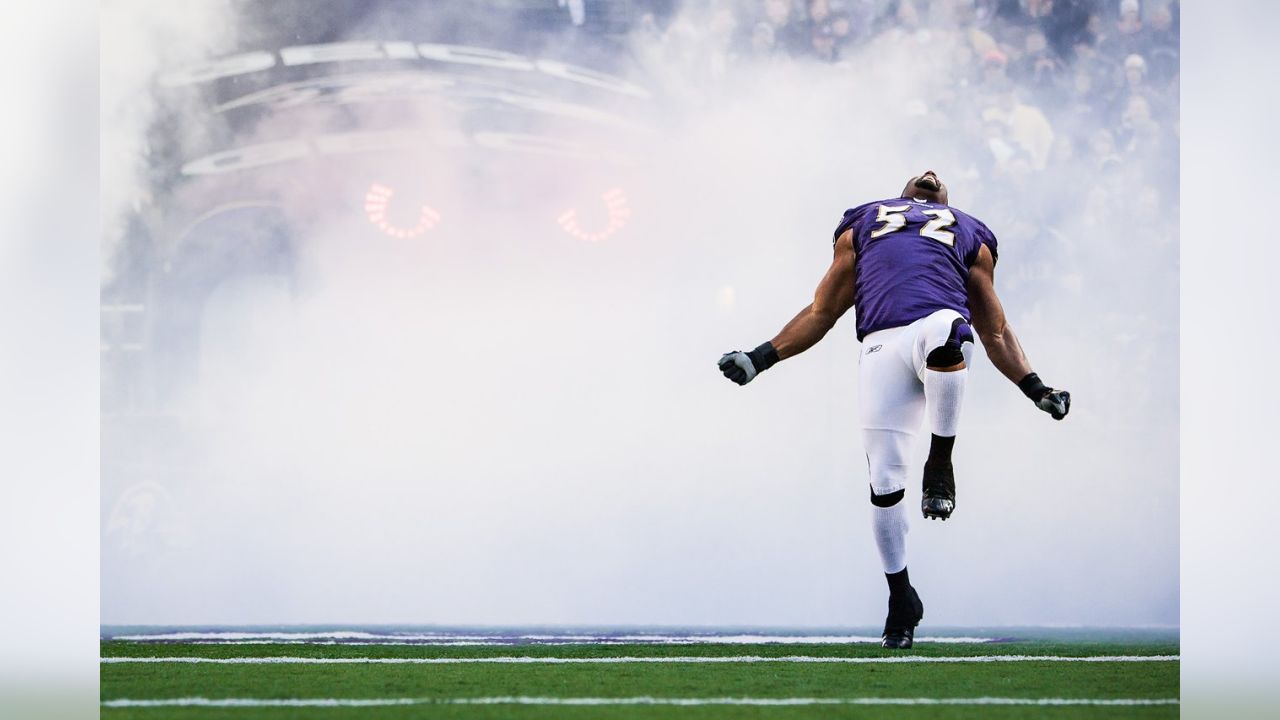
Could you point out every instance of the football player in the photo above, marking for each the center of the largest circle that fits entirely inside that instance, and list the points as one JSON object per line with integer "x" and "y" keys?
{"x": 921, "y": 274}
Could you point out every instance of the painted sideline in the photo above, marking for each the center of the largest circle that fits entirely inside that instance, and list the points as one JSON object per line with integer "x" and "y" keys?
{"x": 608, "y": 660}
{"x": 646, "y": 700}
{"x": 356, "y": 637}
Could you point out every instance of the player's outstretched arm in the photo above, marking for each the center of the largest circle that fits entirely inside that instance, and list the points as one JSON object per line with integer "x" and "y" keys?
{"x": 1000, "y": 342}
{"x": 832, "y": 299}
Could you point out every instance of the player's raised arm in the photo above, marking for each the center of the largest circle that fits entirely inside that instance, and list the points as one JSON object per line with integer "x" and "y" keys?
{"x": 1000, "y": 342}
{"x": 832, "y": 299}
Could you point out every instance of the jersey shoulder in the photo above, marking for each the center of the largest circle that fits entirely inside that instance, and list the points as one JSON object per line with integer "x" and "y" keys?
{"x": 978, "y": 231}
{"x": 854, "y": 217}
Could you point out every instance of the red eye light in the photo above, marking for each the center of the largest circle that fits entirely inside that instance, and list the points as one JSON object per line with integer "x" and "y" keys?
{"x": 375, "y": 208}
{"x": 615, "y": 202}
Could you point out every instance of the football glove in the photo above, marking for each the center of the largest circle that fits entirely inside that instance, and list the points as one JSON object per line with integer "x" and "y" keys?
{"x": 742, "y": 367}
{"x": 1055, "y": 402}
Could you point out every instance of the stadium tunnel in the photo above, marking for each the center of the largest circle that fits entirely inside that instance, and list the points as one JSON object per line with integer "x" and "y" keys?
{"x": 256, "y": 149}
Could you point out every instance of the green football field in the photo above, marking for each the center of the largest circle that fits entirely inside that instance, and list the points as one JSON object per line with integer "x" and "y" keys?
{"x": 1027, "y": 673}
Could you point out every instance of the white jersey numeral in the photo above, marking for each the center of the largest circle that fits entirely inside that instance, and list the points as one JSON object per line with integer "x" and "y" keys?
{"x": 893, "y": 217}
{"x": 937, "y": 228}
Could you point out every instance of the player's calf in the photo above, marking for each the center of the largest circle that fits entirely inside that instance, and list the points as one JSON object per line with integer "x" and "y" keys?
{"x": 890, "y": 525}
{"x": 944, "y": 380}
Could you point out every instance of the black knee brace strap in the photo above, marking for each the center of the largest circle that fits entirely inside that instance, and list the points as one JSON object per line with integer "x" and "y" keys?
{"x": 888, "y": 499}
{"x": 945, "y": 356}
{"x": 951, "y": 353}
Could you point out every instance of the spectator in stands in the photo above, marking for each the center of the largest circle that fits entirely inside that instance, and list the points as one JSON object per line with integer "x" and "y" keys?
{"x": 1142, "y": 139}
{"x": 994, "y": 70}
{"x": 1127, "y": 37}
{"x": 819, "y": 11}
{"x": 1163, "y": 49}
{"x": 1102, "y": 150}
{"x": 787, "y": 34}
{"x": 1029, "y": 129}
{"x": 1096, "y": 33}
{"x": 823, "y": 40}
{"x": 1066, "y": 26}
{"x": 908, "y": 16}
{"x": 1065, "y": 161}
{"x": 998, "y": 143}
{"x": 842, "y": 28}
{"x": 860, "y": 16}
{"x": 1136, "y": 84}
{"x": 1135, "y": 74}
{"x": 763, "y": 43}
{"x": 1076, "y": 111}
{"x": 1038, "y": 69}
{"x": 827, "y": 31}
{"x": 1138, "y": 131}
{"x": 1163, "y": 33}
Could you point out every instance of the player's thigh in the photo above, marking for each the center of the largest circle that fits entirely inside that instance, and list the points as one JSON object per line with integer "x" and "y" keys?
{"x": 891, "y": 401}
{"x": 890, "y": 395}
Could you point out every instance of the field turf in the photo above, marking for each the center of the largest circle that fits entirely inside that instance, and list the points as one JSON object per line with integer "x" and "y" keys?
{"x": 764, "y": 680}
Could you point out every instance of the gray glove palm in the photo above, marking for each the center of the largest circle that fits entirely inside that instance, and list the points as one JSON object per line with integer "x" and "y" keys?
{"x": 743, "y": 367}
{"x": 737, "y": 366}
{"x": 1055, "y": 402}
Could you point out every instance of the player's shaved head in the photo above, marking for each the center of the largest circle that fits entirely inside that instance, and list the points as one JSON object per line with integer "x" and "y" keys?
{"x": 926, "y": 186}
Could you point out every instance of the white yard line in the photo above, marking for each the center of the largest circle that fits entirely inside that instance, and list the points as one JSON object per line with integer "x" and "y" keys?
{"x": 611, "y": 660}
{"x": 361, "y": 637}
{"x": 646, "y": 700}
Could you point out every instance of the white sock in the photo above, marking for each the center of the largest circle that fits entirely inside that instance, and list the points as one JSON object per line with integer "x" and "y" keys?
{"x": 890, "y": 527}
{"x": 944, "y": 393}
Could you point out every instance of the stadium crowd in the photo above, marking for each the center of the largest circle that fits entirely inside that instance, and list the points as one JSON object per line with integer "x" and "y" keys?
{"x": 1042, "y": 84}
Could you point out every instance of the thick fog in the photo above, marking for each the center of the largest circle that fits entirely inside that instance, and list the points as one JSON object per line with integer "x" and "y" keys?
{"x": 513, "y": 415}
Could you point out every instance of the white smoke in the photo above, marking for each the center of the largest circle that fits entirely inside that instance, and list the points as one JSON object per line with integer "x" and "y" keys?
{"x": 139, "y": 39}
{"x": 503, "y": 424}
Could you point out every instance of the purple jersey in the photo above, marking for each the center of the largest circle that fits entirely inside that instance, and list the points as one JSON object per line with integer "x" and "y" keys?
{"x": 913, "y": 259}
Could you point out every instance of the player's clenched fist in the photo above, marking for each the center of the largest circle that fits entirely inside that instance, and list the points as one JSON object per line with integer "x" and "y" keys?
{"x": 737, "y": 366}
{"x": 1055, "y": 402}
{"x": 742, "y": 367}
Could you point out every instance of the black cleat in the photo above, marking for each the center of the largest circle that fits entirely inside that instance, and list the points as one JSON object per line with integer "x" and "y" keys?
{"x": 905, "y": 612}
{"x": 937, "y": 507}
{"x": 938, "y": 497}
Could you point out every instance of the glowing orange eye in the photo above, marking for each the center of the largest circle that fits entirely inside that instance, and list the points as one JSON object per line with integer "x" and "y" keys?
{"x": 375, "y": 208}
{"x": 615, "y": 202}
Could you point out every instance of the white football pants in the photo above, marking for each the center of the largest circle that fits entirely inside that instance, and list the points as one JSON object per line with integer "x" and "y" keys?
{"x": 891, "y": 393}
